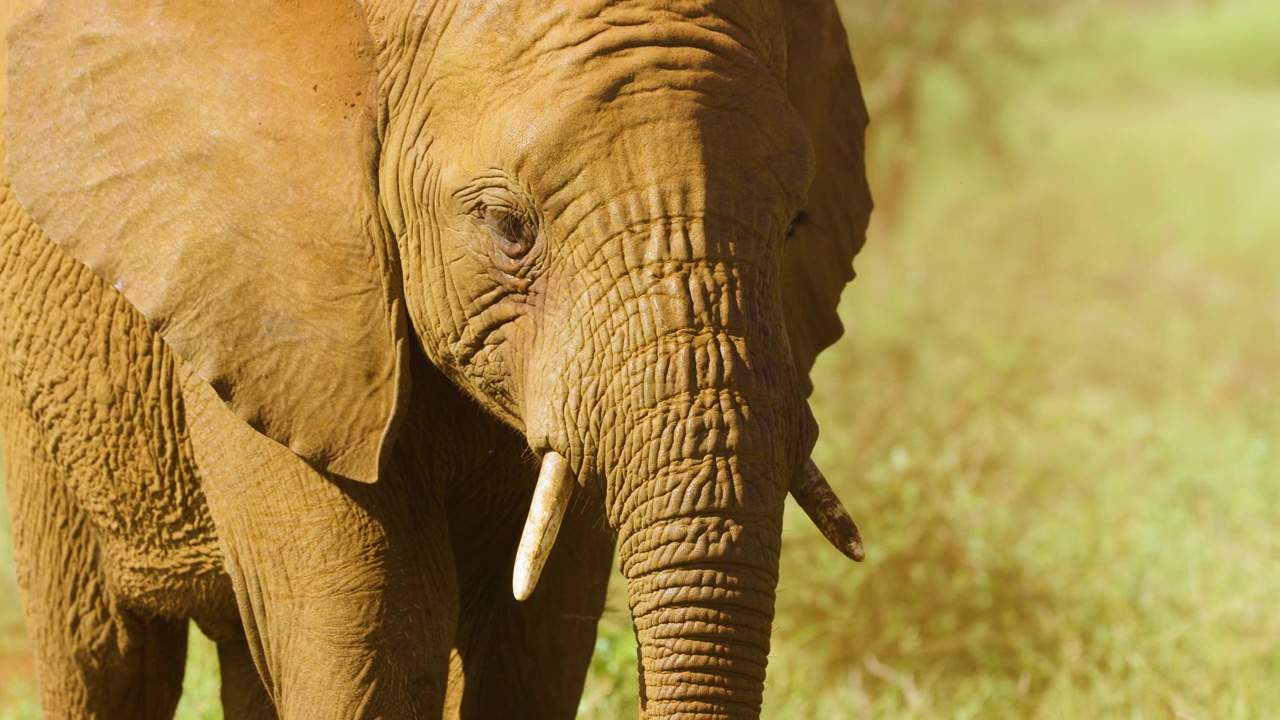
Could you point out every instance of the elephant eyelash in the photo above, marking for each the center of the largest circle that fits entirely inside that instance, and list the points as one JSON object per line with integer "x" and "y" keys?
{"x": 513, "y": 231}
{"x": 508, "y": 217}
{"x": 801, "y": 218}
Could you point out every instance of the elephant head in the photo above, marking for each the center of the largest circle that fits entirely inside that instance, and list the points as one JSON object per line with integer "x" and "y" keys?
{"x": 621, "y": 227}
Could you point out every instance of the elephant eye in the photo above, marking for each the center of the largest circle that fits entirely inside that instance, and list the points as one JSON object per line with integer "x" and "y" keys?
{"x": 801, "y": 218}
{"x": 514, "y": 232}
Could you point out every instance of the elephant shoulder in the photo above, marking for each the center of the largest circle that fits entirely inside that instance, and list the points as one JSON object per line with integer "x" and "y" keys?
{"x": 100, "y": 390}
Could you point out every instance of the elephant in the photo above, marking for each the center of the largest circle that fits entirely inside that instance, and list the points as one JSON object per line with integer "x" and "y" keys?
{"x": 362, "y": 333}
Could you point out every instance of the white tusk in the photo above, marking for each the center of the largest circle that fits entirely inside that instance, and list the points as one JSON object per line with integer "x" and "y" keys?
{"x": 812, "y": 491}
{"x": 550, "y": 499}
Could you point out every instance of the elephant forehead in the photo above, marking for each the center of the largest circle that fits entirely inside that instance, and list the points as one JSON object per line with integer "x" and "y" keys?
{"x": 607, "y": 48}
{"x": 618, "y": 96}
{"x": 640, "y": 124}
{"x": 518, "y": 29}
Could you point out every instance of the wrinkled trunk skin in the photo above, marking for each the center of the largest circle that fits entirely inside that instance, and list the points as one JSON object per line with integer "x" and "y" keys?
{"x": 696, "y": 424}
{"x": 699, "y": 545}
{"x": 701, "y": 585}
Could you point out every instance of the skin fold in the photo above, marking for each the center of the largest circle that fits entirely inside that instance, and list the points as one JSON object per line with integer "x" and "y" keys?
{"x": 295, "y": 299}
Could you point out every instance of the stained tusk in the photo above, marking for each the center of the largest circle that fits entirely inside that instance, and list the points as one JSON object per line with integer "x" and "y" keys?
{"x": 820, "y": 503}
{"x": 550, "y": 499}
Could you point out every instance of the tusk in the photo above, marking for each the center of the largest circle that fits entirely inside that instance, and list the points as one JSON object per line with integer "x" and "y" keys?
{"x": 550, "y": 499}
{"x": 820, "y": 503}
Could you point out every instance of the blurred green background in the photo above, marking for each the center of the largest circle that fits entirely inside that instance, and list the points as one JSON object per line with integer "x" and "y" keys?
{"x": 1056, "y": 411}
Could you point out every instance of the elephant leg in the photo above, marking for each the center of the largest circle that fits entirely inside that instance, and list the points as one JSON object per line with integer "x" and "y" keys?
{"x": 244, "y": 697}
{"x": 524, "y": 659}
{"x": 345, "y": 590}
{"x": 94, "y": 657}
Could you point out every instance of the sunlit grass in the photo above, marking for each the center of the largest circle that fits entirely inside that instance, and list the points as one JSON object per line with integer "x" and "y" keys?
{"x": 17, "y": 690}
{"x": 200, "y": 685}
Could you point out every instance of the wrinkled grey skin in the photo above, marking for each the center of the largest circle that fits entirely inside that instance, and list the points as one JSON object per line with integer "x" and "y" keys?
{"x": 590, "y": 223}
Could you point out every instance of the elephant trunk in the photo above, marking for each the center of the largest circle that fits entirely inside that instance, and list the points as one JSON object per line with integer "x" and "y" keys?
{"x": 698, "y": 503}
{"x": 701, "y": 587}
{"x": 682, "y": 404}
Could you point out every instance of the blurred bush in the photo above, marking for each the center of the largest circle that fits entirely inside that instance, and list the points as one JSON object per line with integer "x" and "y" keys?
{"x": 940, "y": 62}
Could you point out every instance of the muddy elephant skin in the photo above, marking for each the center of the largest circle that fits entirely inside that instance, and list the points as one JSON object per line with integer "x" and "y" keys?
{"x": 304, "y": 305}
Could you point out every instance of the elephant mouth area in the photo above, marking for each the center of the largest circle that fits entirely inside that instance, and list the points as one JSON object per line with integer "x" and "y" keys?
{"x": 680, "y": 397}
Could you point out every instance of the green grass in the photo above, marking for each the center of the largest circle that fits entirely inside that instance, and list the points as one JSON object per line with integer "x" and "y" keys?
{"x": 1056, "y": 413}
{"x": 17, "y": 692}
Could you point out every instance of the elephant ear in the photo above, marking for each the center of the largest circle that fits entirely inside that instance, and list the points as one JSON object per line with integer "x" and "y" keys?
{"x": 215, "y": 162}
{"x": 818, "y": 261}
